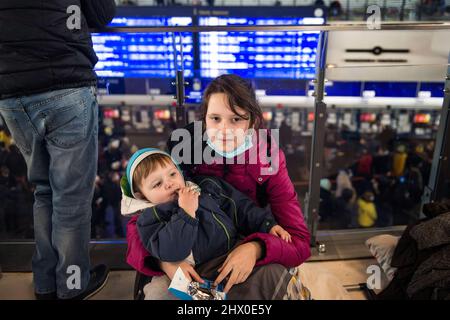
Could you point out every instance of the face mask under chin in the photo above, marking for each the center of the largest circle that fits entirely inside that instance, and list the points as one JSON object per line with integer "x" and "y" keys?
{"x": 244, "y": 146}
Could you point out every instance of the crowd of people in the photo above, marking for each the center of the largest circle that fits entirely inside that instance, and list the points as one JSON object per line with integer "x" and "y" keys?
{"x": 380, "y": 186}
{"x": 371, "y": 181}
{"x": 114, "y": 151}
{"x": 16, "y": 193}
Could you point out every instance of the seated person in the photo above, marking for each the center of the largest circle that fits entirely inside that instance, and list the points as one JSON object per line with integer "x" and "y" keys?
{"x": 195, "y": 221}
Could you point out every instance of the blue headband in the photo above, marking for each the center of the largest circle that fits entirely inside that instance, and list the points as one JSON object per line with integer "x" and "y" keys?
{"x": 140, "y": 155}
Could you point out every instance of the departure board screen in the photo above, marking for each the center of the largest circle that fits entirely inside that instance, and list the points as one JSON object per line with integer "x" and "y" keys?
{"x": 285, "y": 54}
{"x": 143, "y": 55}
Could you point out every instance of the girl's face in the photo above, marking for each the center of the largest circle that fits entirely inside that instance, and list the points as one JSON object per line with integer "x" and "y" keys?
{"x": 224, "y": 128}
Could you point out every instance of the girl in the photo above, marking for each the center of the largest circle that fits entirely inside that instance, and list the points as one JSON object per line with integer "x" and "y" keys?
{"x": 231, "y": 118}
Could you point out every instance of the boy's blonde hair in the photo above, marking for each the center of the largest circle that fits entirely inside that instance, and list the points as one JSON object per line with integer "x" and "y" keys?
{"x": 147, "y": 166}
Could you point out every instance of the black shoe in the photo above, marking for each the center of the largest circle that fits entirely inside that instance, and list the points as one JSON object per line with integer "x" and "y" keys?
{"x": 99, "y": 277}
{"x": 46, "y": 296}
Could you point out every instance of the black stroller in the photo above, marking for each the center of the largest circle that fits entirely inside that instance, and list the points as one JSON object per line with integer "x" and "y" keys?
{"x": 140, "y": 282}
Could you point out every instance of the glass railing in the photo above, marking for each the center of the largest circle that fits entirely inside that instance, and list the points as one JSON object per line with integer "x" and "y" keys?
{"x": 372, "y": 153}
{"x": 379, "y": 144}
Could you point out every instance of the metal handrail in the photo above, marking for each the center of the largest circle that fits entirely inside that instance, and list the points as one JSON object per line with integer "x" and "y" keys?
{"x": 422, "y": 26}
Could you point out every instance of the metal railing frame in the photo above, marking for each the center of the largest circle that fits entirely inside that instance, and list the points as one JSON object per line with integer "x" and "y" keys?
{"x": 312, "y": 199}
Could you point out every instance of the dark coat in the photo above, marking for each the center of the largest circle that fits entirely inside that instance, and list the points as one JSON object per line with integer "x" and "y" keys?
{"x": 422, "y": 259}
{"x": 39, "y": 53}
{"x": 170, "y": 234}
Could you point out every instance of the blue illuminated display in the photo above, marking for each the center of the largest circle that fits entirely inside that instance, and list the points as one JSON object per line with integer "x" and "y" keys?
{"x": 285, "y": 54}
{"x": 340, "y": 88}
{"x": 273, "y": 59}
{"x": 393, "y": 89}
{"x": 142, "y": 55}
{"x": 435, "y": 88}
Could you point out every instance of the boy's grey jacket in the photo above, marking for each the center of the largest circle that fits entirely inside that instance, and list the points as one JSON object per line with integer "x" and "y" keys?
{"x": 224, "y": 213}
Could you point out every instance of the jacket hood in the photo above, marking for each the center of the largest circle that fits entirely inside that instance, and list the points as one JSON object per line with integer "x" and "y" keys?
{"x": 130, "y": 205}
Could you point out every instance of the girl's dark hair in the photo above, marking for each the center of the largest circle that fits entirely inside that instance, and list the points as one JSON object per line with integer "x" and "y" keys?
{"x": 240, "y": 94}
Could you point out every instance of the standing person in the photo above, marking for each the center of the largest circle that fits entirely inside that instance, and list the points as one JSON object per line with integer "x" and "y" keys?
{"x": 4, "y": 188}
{"x": 399, "y": 161}
{"x": 112, "y": 197}
{"x": 367, "y": 212}
{"x": 346, "y": 210}
{"x": 285, "y": 135}
{"x": 48, "y": 101}
{"x": 327, "y": 206}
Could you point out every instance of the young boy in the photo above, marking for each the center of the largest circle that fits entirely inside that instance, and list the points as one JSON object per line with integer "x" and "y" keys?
{"x": 194, "y": 221}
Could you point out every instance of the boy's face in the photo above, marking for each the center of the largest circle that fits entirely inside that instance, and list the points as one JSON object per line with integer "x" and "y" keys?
{"x": 161, "y": 185}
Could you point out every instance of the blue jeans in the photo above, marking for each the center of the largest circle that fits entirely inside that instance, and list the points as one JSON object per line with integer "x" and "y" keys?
{"x": 57, "y": 133}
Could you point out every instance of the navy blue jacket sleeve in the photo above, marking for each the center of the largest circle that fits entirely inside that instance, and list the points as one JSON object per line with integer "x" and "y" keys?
{"x": 247, "y": 216}
{"x": 98, "y": 13}
{"x": 168, "y": 236}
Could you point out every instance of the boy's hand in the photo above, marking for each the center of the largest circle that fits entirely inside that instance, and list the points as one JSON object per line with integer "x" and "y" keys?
{"x": 170, "y": 268}
{"x": 188, "y": 200}
{"x": 281, "y": 233}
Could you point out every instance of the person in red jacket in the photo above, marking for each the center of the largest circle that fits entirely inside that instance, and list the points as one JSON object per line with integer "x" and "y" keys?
{"x": 230, "y": 107}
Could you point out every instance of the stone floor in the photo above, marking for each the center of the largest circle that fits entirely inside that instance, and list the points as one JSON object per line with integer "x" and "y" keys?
{"x": 18, "y": 286}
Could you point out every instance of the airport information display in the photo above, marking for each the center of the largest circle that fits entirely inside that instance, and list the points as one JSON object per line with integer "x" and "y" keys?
{"x": 287, "y": 55}
{"x": 281, "y": 55}
{"x": 142, "y": 55}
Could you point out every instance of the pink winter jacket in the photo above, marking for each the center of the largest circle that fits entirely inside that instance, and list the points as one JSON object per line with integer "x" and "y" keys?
{"x": 285, "y": 207}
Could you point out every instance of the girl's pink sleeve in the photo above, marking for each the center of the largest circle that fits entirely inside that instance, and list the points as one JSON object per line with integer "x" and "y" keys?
{"x": 287, "y": 212}
{"x": 137, "y": 256}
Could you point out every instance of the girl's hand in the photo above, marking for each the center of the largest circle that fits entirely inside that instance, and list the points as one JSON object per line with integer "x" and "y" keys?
{"x": 278, "y": 231}
{"x": 188, "y": 200}
{"x": 170, "y": 268}
{"x": 190, "y": 272}
{"x": 239, "y": 264}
